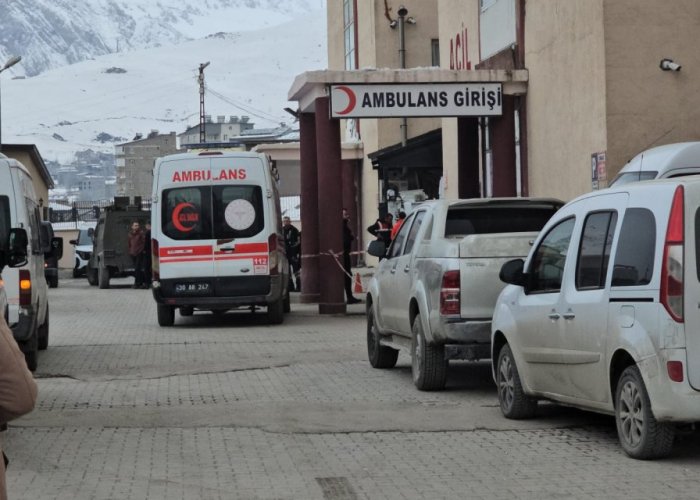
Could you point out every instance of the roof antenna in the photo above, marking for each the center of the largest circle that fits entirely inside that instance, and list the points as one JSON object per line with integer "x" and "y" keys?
{"x": 639, "y": 174}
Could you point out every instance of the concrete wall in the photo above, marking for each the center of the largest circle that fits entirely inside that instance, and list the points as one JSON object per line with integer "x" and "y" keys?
{"x": 646, "y": 106}
{"x": 68, "y": 259}
{"x": 565, "y": 56}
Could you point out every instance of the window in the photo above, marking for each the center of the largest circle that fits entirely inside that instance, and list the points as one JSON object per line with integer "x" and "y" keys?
{"x": 462, "y": 221}
{"x": 594, "y": 250}
{"x": 238, "y": 211}
{"x": 349, "y": 33}
{"x": 395, "y": 248}
{"x": 485, "y": 4}
{"x": 634, "y": 260}
{"x": 186, "y": 213}
{"x": 33, "y": 230}
{"x": 413, "y": 233}
{"x": 435, "y": 52}
{"x": 548, "y": 262}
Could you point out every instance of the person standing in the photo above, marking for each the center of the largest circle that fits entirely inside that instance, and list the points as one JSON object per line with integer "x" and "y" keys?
{"x": 397, "y": 224}
{"x": 381, "y": 229}
{"x": 18, "y": 389}
{"x": 348, "y": 238}
{"x": 147, "y": 258}
{"x": 136, "y": 243}
{"x": 292, "y": 244}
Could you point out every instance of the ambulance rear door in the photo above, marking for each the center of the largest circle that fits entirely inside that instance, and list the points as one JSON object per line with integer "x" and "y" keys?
{"x": 186, "y": 244}
{"x": 241, "y": 225}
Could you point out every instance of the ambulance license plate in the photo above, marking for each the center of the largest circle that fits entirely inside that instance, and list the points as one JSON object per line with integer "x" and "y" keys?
{"x": 191, "y": 288}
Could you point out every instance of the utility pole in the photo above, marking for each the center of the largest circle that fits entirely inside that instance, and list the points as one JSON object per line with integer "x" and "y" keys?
{"x": 202, "y": 131}
{"x": 10, "y": 62}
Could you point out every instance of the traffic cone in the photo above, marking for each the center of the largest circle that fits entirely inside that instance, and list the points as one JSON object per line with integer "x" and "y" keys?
{"x": 358, "y": 284}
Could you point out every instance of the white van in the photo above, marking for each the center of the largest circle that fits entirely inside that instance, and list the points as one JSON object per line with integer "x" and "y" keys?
{"x": 26, "y": 287}
{"x": 671, "y": 160}
{"x": 217, "y": 240}
{"x": 603, "y": 314}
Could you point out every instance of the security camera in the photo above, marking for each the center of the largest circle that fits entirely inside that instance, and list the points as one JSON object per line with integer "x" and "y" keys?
{"x": 402, "y": 11}
{"x": 669, "y": 65}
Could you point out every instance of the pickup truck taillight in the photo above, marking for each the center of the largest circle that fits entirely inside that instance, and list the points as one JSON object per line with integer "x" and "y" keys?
{"x": 25, "y": 287}
{"x": 672, "y": 269}
{"x": 449, "y": 294}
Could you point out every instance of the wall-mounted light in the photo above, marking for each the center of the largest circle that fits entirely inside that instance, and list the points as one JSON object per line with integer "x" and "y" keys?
{"x": 668, "y": 65}
{"x": 393, "y": 23}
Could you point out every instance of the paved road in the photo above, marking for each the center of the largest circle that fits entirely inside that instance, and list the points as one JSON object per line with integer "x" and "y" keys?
{"x": 229, "y": 407}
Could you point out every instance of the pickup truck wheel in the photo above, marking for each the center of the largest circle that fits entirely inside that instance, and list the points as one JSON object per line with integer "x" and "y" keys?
{"x": 514, "y": 402}
{"x": 428, "y": 363}
{"x": 91, "y": 275}
{"x": 43, "y": 336}
{"x": 166, "y": 315}
{"x": 275, "y": 312}
{"x": 380, "y": 356}
{"x": 103, "y": 276}
{"x": 640, "y": 434}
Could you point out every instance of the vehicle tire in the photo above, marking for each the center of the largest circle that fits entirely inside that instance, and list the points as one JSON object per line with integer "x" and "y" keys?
{"x": 43, "y": 333}
{"x": 275, "y": 312}
{"x": 428, "y": 363}
{"x": 186, "y": 311}
{"x": 287, "y": 304}
{"x": 640, "y": 434}
{"x": 380, "y": 356}
{"x": 103, "y": 276}
{"x": 166, "y": 315}
{"x": 30, "y": 348}
{"x": 515, "y": 404}
{"x": 91, "y": 275}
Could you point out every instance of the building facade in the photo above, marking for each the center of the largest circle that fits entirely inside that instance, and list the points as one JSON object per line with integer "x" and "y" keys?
{"x": 134, "y": 162}
{"x": 219, "y": 131}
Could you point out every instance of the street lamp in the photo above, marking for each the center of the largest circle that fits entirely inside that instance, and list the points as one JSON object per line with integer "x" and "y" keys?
{"x": 10, "y": 62}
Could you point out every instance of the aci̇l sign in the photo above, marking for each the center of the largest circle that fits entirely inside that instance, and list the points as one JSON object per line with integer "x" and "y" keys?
{"x": 441, "y": 99}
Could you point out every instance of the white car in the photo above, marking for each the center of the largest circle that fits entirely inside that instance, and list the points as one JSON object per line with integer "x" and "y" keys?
{"x": 603, "y": 313}
{"x": 661, "y": 162}
{"x": 83, "y": 249}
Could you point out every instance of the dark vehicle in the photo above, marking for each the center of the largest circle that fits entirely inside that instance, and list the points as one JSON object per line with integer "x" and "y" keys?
{"x": 51, "y": 257}
{"x": 110, "y": 256}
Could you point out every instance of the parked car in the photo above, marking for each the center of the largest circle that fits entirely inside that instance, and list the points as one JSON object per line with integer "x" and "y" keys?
{"x": 602, "y": 315}
{"x": 434, "y": 293}
{"x": 82, "y": 248}
{"x": 671, "y": 160}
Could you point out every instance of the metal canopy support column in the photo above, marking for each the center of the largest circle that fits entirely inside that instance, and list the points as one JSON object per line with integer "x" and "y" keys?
{"x": 350, "y": 200}
{"x": 309, "y": 209}
{"x": 330, "y": 203}
{"x": 503, "y": 147}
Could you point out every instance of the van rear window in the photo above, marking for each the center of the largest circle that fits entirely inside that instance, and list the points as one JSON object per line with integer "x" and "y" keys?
{"x": 486, "y": 220}
{"x": 219, "y": 212}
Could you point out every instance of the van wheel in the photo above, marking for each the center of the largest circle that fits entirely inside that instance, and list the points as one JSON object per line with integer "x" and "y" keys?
{"x": 103, "y": 276}
{"x": 640, "y": 434}
{"x": 186, "y": 311}
{"x": 91, "y": 275}
{"x": 31, "y": 352}
{"x": 380, "y": 356}
{"x": 166, "y": 315}
{"x": 43, "y": 340}
{"x": 287, "y": 304}
{"x": 275, "y": 312}
{"x": 514, "y": 402}
{"x": 428, "y": 363}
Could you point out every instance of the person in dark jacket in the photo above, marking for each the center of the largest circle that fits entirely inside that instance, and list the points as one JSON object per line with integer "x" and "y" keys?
{"x": 136, "y": 243}
{"x": 147, "y": 258}
{"x": 292, "y": 244}
{"x": 348, "y": 238}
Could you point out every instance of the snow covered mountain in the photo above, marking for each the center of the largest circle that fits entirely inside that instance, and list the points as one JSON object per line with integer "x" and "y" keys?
{"x": 74, "y": 91}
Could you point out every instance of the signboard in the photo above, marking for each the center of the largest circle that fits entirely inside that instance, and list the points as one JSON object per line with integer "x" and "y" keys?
{"x": 428, "y": 99}
{"x": 599, "y": 173}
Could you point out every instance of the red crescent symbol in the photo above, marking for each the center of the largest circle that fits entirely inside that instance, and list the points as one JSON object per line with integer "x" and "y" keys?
{"x": 176, "y": 217}
{"x": 352, "y": 99}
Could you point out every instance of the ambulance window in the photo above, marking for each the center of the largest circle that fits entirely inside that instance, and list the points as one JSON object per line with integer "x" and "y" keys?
{"x": 238, "y": 211}
{"x": 186, "y": 213}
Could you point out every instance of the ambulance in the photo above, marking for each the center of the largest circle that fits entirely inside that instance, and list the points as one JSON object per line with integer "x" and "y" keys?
{"x": 217, "y": 241}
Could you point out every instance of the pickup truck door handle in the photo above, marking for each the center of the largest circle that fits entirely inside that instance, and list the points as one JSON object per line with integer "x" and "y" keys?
{"x": 393, "y": 269}
{"x": 407, "y": 268}
{"x": 553, "y": 315}
{"x": 568, "y": 314}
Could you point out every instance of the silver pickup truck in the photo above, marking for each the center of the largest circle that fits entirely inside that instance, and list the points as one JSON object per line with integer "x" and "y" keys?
{"x": 436, "y": 286}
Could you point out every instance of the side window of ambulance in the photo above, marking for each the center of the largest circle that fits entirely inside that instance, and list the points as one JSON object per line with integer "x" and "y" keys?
{"x": 547, "y": 268}
{"x": 634, "y": 260}
{"x": 594, "y": 250}
{"x": 238, "y": 211}
{"x": 33, "y": 213}
{"x": 185, "y": 214}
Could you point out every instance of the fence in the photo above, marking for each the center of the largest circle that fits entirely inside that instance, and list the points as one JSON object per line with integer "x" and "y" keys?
{"x": 72, "y": 215}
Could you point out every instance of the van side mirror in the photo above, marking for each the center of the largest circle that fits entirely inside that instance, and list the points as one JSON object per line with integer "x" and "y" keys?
{"x": 377, "y": 248}
{"x": 512, "y": 273}
{"x": 17, "y": 247}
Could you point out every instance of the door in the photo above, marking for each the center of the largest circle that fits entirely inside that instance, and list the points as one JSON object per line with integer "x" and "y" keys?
{"x": 406, "y": 274}
{"x": 537, "y": 307}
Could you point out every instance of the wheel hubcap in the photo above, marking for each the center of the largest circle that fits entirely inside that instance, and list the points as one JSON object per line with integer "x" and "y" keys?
{"x": 505, "y": 382}
{"x": 631, "y": 414}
